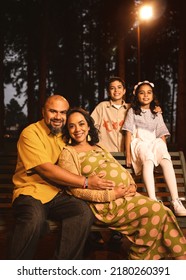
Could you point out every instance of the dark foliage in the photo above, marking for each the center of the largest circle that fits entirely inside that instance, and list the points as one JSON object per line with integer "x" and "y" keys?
{"x": 73, "y": 47}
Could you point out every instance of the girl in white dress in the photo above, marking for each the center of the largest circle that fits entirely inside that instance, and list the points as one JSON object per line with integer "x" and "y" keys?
{"x": 145, "y": 143}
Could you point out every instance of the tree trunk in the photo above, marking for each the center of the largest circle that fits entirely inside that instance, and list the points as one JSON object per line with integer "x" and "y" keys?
{"x": 30, "y": 83}
{"x": 2, "y": 107}
{"x": 43, "y": 56}
{"x": 121, "y": 57}
{"x": 181, "y": 99}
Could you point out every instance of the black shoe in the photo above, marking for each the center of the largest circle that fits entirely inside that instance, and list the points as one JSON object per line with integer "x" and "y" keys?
{"x": 96, "y": 236}
{"x": 116, "y": 236}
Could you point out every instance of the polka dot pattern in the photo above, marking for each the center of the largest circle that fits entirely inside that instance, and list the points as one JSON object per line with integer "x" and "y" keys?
{"x": 96, "y": 161}
{"x": 149, "y": 225}
{"x": 155, "y": 220}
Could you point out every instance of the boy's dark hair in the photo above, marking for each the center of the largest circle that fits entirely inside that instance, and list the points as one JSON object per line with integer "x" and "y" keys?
{"x": 113, "y": 79}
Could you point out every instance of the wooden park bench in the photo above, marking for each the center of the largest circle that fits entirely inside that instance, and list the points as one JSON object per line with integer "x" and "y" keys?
{"x": 7, "y": 167}
{"x": 8, "y": 163}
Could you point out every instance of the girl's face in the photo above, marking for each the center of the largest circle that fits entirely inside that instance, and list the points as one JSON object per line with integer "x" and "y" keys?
{"x": 145, "y": 96}
{"x": 78, "y": 127}
{"x": 116, "y": 92}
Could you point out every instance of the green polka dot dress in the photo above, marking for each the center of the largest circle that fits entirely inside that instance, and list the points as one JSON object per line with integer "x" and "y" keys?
{"x": 96, "y": 161}
{"x": 149, "y": 225}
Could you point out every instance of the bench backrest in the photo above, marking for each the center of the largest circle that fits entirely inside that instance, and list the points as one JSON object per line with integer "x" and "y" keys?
{"x": 8, "y": 163}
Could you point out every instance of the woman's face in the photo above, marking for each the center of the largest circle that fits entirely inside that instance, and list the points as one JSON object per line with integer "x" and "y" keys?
{"x": 145, "y": 95}
{"x": 78, "y": 127}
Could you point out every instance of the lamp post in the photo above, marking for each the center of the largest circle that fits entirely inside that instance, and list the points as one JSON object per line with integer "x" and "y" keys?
{"x": 144, "y": 13}
{"x": 139, "y": 51}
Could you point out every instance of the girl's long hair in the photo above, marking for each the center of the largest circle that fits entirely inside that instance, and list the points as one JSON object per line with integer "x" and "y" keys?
{"x": 136, "y": 105}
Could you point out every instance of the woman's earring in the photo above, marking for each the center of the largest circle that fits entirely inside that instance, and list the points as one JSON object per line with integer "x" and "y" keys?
{"x": 89, "y": 138}
{"x": 70, "y": 141}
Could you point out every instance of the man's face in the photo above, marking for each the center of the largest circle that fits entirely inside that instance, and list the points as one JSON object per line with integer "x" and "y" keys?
{"x": 54, "y": 113}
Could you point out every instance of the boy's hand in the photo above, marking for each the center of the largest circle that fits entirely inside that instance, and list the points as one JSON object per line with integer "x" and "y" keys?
{"x": 158, "y": 109}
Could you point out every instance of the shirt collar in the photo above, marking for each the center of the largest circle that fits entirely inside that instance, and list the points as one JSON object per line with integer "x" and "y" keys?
{"x": 111, "y": 103}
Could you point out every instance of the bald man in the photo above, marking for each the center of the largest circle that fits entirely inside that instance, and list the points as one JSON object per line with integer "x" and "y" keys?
{"x": 39, "y": 192}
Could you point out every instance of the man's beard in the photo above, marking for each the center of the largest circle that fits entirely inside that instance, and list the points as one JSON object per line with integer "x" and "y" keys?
{"x": 55, "y": 130}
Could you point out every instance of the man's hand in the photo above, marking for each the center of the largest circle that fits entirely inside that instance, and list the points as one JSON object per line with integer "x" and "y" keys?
{"x": 97, "y": 182}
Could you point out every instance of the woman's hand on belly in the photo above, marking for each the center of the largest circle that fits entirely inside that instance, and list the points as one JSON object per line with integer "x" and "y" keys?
{"x": 123, "y": 191}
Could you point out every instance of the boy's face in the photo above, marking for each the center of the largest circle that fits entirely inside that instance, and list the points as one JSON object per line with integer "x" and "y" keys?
{"x": 116, "y": 91}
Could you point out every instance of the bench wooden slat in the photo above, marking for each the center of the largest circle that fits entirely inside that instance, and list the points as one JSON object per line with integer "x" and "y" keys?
{"x": 5, "y": 205}
{"x": 8, "y": 163}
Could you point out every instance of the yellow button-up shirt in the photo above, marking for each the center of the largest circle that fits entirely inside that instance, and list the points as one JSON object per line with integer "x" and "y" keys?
{"x": 36, "y": 146}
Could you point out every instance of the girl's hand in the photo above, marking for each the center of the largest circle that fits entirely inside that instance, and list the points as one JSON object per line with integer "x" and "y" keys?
{"x": 128, "y": 161}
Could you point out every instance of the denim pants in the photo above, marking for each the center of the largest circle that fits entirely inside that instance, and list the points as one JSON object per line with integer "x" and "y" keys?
{"x": 30, "y": 219}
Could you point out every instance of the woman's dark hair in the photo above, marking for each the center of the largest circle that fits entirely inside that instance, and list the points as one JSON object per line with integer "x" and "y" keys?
{"x": 135, "y": 104}
{"x": 93, "y": 132}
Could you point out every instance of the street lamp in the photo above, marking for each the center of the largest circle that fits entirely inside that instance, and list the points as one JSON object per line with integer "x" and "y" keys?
{"x": 144, "y": 13}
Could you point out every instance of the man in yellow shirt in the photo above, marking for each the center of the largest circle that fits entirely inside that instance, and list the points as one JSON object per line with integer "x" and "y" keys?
{"x": 39, "y": 192}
